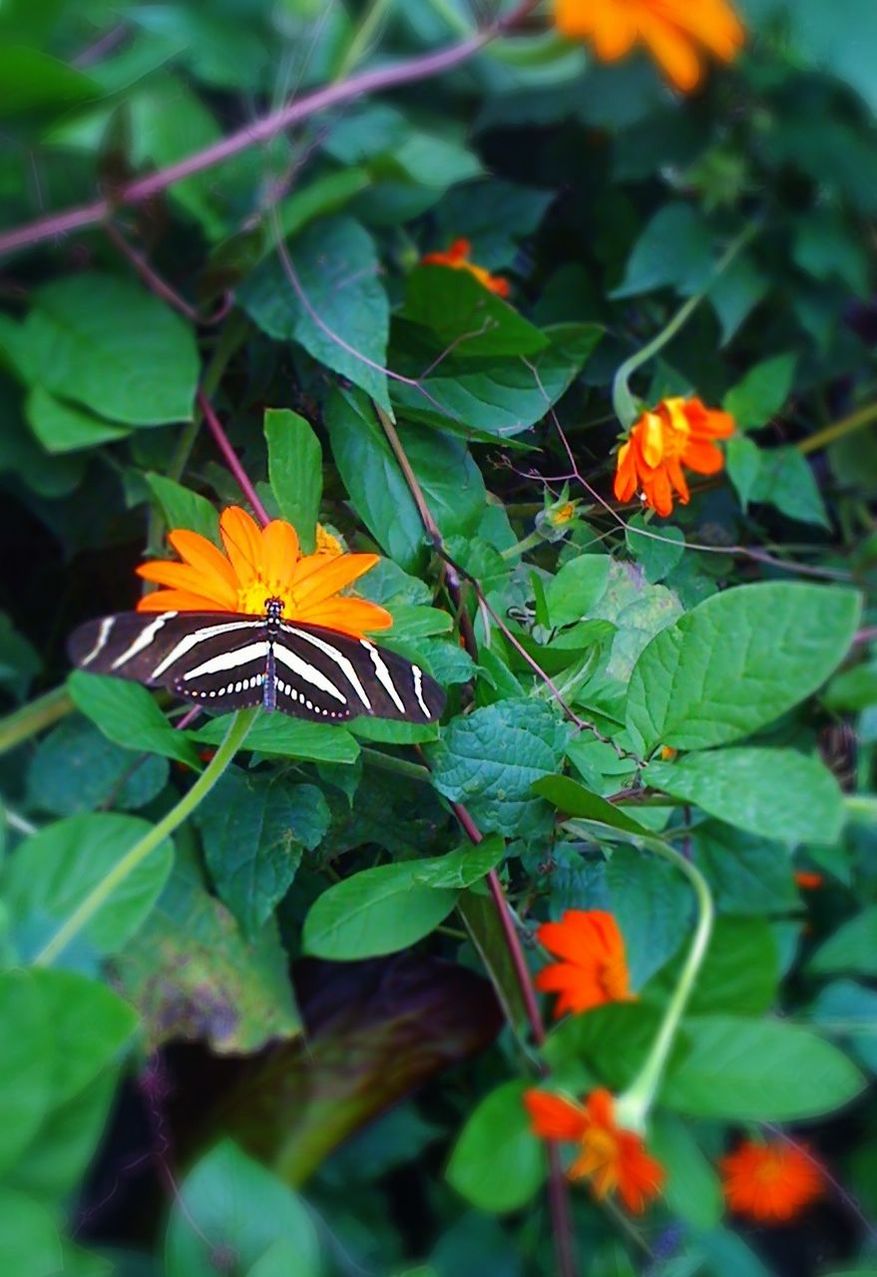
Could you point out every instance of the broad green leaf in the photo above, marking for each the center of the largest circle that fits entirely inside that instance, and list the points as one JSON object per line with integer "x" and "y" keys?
{"x": 494, "y": 398}
{"x": 192, "y": 943}
{"x": 277, "y": 734}
{"x": 76, "y": 768}
{"x": 853, "y": 947}
{"x": 497, "y": 1163}
{"x": 777, "y": 793}
{"x": 853, "y": 689}
{"x": 574, "y": 592}
{"x": 30, "y": 1241}
{"x": 463, "y": 867}
{"x": 54, "y": 870}
{"x": 761, "y": 393}
{"x": 847, "y": 1011}
{"x": 692, "y": 1189}
{"x": 716, "y": 675}
{"x": 26, "y": 1065}
{"x": 32, "y": 81}
{"x": 183, "y": 508}
{"x": 740, "y": 972}
{"x": 785, "y": 480}
{"x": 450, "y": 479}
{"x": 255, "y": 828}
{"x": 605, "y": 1045}
{"x": 652, "y": 904}
{"x": 743, "y": 457}
{"x": 339, "y": 311}
{"x": 325, "y": 195}
{"x": 62, "y": 427}
{"x": 54, "y": 1164}
{"x": 90, "y": 1024}
{"x": 375, "y": 911}
{"x": 757, "y": 1071}
{"x": 573, "y": 799}
{"x": 657, "y": 548}
{"x": 490, "y": 759}
{"x": 736, "y": 293}
{"x": 748, "y": 875}
{"x": 481, "y": 920}
{"x": 465, "y": 316}
{"x": 295, "y": 468}
{"x": 127, "y": 714}
{"x": 240, "y": 1207}
{"x": 675, "y": 248}
{"x": 113, "y": 347}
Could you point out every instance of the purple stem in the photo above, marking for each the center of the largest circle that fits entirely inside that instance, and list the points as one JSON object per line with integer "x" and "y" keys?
{"x": 230, "y": 457}
{"x": 144, "y": 188}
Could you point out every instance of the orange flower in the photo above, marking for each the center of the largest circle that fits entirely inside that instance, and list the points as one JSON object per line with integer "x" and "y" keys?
{"x": 593, "y": 970}
{"x": 807, "y": 880}
{"x": 262, "y": 563}
{"x": 457, "y": 257}
{"x": 770, "y": 1183}
{"x": 679, "y": 432}
{"x": 614, "y": 1159}
{"x": 672, "y": 31}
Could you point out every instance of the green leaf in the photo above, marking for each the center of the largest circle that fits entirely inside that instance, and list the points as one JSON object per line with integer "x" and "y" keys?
{"x": 568, "y": 796}
{"x": 55, "y": 1163}
{"x": 192, "y": 943}
{"x": 497, "y": 1164}
{"x": 692, "y": 1189}
{"x": 466, "y": 316}
{"x": 254, "y": 829}
{"x": 492, "y": 398}
{"x": 748, "y": 875}
{"x": 743, "y": 457}
{"x": 54, "y": 870}
{"x": 375, "y": 911}
{"x": 295, "y": 468}
{"x": 30, "y": 1243}
{"x": 716, "y": 675}
{"x": 652, "y": 904}
{"x": 757, "y": 1071}
{"x": 127, "y": 714}
{"x": 761, "y": 393}
{"x": 113, "y": 347}
{"x": 450, "y": 479}
{"x": 758, "y": 790}
{"x": 75, "y": 768}
{"x": 26, "y": 1065}
{"x": 339, "y": 312}
{"x": 847, "y": 1010}
{"x": 656, "y": 549}
{"x": 241, "y": 1209}
{"x": 490, "y": 759}
{"x": 853, "y": 947}
{"x": 32, "y": 81}
{"x": 62, "y": 427}
{"x": 326, "y": 194}
{"x": 183, "y": 508}
{"x": 463, "y": 867}
{"x": 675, "y": 248}
{"x": 574, "y": 592}
{"x": 277, "y": 734}
{"x": 740, "y": 972}
{"x": 90, "y": 1024}
{"x": 786, "y": 481}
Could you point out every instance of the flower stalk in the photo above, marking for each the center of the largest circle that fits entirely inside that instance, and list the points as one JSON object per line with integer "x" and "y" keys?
{"x": 101, "y": 893}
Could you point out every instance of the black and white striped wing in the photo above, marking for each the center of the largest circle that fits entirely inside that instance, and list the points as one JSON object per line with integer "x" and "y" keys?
{"x": 332, "y": 670}
{"x": 214, "y": 659}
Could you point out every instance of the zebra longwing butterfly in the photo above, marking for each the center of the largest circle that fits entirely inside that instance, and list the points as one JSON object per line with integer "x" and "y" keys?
{"x": 227, "y": 661}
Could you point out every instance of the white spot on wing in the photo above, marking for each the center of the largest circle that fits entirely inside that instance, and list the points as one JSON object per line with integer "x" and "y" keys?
{"x": 229, "y": 660}
{"x": 343, "y": 662}
{"x": 418, "y": 689}
{"x": 310, "y": 674}
{"x": 192, "y": 640}
{"x": 100, "y": 642}
{"x": 385, "y": 678}
{"x": 143, "y": 639}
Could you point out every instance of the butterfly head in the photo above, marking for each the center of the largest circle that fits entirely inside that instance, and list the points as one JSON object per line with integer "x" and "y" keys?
{"x": 273, "y": 609}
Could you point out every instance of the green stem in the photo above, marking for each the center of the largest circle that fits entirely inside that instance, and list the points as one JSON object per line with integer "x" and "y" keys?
{"x": 98, "y": 896}
{"x": 521, "y": 547}
{"x": 846, "y": 426}
{"x": 35, "y": 717}
{"x": 622, "y": 400}
{"x": 633, "y": 1106}
{"x": 399, "y": 766}
{"x": 371, "y": 20}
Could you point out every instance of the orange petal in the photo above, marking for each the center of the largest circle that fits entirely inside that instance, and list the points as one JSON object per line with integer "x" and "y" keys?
{"x": 625, "y": 474}
{"x": 672, "y": 50}
{"x": 202, "y": 554}
{"x": 553, "y": 1117}
{"x": 311, "y": 583}
{"x": 659, "y": 494}
{"x": 573, "y": 937}
{"x": 703, "y": 458}
{"x": 280, "y": 551}
{"x": 242, "y": 539}
{"x": 178, "y": 601}
{"x": 182, "y": 576}
{"x": 349, "y": 616}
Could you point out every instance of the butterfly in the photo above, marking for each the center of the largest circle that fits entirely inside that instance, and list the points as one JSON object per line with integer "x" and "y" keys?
{"x": 229, "y": 661}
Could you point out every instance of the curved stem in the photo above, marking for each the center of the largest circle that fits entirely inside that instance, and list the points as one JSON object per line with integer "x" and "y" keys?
{"x": 98, "y": 896}
{"x": 633, "y": 1106}
{"x": 838, "y": 429}
{"x": 35, "y": 717}
{"x": 622, "y": 400}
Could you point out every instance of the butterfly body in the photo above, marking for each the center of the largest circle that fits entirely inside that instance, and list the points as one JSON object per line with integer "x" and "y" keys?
{"x": 229, "y": 661}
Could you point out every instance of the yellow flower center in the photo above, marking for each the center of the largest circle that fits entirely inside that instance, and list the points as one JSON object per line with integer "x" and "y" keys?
{"x": 254, "y": 595}
{"x": 769, "y": 1170}
{"x": 598, "y": 1160}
